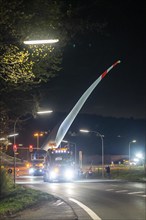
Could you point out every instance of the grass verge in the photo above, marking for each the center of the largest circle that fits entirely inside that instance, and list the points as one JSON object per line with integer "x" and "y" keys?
{"x": 129, "y": 174}
{"x": 21, "y": 198}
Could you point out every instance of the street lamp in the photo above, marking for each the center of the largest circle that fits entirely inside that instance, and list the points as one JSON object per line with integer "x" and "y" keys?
{"x": 14, "y": 144}
{"x": 15, "y": 129}
{"x": 15, "y": 123}
{"x": 38, "y": 135}
{"x": 50, "y": 41}
{"x": 102, "y": 145}
{"x": 133, "y": 141}
{"x": 44, "y": 112}
{"x": 15, "y": 134}
{"x": 17, "y": 119}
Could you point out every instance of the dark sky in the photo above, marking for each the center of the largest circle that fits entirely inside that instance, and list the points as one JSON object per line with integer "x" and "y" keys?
{"x": 122, "y": 92}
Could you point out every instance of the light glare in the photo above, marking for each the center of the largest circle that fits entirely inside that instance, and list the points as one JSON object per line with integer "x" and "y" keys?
{"x": 45, "y": 112}
{"x": 85, "y": 131}
{"x": 2, "y": 139}
{"x": 12, "y": 135}
{"x": 51, "y": 41}
{"x": 139, "y": 155}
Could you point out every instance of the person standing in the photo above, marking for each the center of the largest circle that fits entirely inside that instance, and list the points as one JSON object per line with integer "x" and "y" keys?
{"x": 108, "y": 171}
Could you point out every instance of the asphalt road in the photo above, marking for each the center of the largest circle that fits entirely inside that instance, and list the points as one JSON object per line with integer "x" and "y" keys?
{"x": 98, "y": 199}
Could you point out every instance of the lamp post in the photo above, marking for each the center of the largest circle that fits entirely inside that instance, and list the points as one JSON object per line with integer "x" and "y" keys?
{"x": 15, "y": 129}
{"x": 15, "y": 123}
{"x": 17, "y": 119}
{"x": 14, "y": 135}
{"x": 14, "y": 146}
{"x": 102, "y": 145}
{"x": 133, "y": 141}
{"x": 38, "y": 135}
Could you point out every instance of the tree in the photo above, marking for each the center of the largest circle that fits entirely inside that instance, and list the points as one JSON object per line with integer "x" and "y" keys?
{"x": 29, "y": 64}
{"x": 23, "y": 66}
{"x": 20, "y": 20}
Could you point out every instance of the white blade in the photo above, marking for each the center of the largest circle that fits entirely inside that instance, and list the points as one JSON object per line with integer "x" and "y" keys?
{"x": 71, "y": 116}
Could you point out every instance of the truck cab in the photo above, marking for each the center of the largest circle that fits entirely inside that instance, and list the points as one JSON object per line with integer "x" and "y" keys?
{"x": 59, "y": 165}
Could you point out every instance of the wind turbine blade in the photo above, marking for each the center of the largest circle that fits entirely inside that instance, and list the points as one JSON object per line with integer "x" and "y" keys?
{"x": 64, "y": 127}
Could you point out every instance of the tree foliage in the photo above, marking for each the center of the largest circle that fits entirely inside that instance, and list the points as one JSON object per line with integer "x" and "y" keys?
{"x": 27, "y": 64}
{"x": 25, "y": 20}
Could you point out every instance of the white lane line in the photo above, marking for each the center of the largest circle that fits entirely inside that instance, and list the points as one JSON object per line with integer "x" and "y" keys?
{"x": 119, "y": 191}
{"x": 87, "y": 209}
{"x": 142, "y": 195}
{"x": 131, "y": 193}
{"x": 109, "y": 189}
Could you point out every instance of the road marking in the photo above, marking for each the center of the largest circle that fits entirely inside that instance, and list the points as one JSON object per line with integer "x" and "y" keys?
{"x": 135, "y": 192}
{"x": 124, "y": 190}
{"x": 109, "y": 189}
{"x": 87, "y": 209}
{"x": 143, "y": 195}
{"x": 58, "y": 202}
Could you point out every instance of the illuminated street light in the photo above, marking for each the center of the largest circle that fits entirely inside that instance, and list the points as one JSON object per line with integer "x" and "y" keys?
{"x": 13, "y": 135}
{"x": 101, "y": 136}
{"x": 133, "y": 141}
{"x": 44, "y": 112}
{"x": 84, "y": 131}
{"x": 2, "y": 139}
{"x": 38, "y": 135}
{"x": 50, "y": 41}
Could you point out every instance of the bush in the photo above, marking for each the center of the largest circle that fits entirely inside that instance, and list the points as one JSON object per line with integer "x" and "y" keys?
{"x": 5, "y": 181}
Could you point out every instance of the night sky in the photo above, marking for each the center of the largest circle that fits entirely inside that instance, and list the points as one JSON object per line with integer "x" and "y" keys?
{"x": 117, "y": 106}
{"x": 122, "y": 92}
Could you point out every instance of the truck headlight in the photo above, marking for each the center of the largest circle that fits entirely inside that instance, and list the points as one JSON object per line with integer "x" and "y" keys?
{"x": 53, "y": 175}
{"x": 69, "y": 174}
{"x": 31, "y": 170}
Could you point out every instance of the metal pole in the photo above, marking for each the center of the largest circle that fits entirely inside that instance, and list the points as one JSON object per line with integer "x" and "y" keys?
{"x": 75, "y": 154}
{"x": 102, "y": 156}
{"x": 129, "y": 153}
{"x": 80, "y": 159}
{"x": 15, "y": 154}
{"x": 38, "y": 141}
{"x": 0, "y": 169}
{"x": 15, "y": 129}
{"x": 14, "y": 169}
{"x": 75, "y": 149}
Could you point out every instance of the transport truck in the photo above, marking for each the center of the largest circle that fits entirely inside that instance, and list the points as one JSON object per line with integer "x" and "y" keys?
{"x": 59, "y": 165}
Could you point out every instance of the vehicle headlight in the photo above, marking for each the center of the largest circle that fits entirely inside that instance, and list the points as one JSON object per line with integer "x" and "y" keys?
{"x": 31, "y": 170}
{"x": 53, "y": 175}
{"x": 69, "y": 174}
